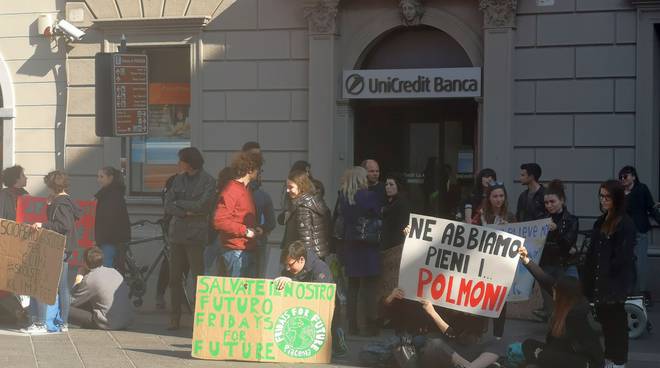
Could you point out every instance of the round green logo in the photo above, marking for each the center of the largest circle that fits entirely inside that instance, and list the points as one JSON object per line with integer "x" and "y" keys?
{"x": 300, "y": 332}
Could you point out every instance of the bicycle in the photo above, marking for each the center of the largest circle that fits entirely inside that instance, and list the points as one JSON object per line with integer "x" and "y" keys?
{"x": 137, "y": 276}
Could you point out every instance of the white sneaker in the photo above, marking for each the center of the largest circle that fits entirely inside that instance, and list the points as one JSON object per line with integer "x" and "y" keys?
{"x": 34, "y": 329}
{"x": 64, "y": 328}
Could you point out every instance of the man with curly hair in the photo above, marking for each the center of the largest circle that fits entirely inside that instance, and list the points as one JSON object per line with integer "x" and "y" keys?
{"x": 236, "y": 219}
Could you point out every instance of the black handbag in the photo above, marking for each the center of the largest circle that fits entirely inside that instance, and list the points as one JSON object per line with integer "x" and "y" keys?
{"x": 368, "y": 229}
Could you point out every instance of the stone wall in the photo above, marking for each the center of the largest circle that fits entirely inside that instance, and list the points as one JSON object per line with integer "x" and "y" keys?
{"x": 574, "y": 70}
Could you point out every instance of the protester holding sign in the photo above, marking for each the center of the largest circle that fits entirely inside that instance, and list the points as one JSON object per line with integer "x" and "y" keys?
{"x": 556, "y": 259}
{"x": 112, "y": 227}
{"x": 360, "y": 209}
{"x": 571, "y": 342}
{"x": 610, "y": 269}
{"x": 100, "y": 295}
{"x": 495, "y": 211}
{"x": 301, "y": 264}
{"x": 15, "y": 181}
{"x": 63, "y": 213}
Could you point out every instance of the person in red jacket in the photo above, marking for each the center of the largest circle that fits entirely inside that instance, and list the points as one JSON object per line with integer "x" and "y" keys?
{"x": 236, "y": 219}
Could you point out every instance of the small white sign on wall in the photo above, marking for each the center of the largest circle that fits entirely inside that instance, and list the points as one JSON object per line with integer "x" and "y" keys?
{"x": 545, "y": 2}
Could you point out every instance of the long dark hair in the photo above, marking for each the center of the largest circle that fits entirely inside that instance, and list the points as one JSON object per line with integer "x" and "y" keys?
{"x": 629, "y": 170}
{"x": 618, "y": 196}
{"x": 568, "y": 292}
{"x": 478, "y": 187}
{"x": 117, "y": 177}
{"x": 225, "y": 176}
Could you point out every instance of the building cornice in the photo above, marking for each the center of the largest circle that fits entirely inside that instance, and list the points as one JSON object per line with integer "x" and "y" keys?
{"x": 645, "y": 3}
{"x": 152, "y": 24}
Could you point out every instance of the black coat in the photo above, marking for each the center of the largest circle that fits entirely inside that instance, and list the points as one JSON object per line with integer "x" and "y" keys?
{"x": 112, "y": 225}
{"x": 556, "y": 251}
{"x": 527, "y": 210}
{"x": 308, "y": 220}
{"x": 609, "y": 269}
{"x": 395, "y": 219}
{"x": 579, "y": 337}
{"x": 639, "y": 206}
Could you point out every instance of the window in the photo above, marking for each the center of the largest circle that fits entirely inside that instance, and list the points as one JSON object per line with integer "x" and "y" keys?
{"x": 153, "y": 158}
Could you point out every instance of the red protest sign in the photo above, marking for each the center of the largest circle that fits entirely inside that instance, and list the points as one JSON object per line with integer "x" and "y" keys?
{"x": 33, "y": 209}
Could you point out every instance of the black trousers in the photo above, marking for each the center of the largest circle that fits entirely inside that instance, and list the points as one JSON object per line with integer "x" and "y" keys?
{"x": 614, "y": 319}
{"x": 499, "y": 322}
{"x": 547, "y": 356}
{"x": 362, "y": 306}
{"x": 181, "y": 256}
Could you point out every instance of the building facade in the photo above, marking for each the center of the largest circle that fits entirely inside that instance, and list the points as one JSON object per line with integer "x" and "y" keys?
{"x": 570, "y": 84}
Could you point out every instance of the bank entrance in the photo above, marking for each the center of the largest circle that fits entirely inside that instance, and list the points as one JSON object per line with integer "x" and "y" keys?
{"x": 430, "y": 141}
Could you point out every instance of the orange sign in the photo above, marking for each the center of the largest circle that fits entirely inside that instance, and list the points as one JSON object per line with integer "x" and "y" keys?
{"x": 169, "y": 94}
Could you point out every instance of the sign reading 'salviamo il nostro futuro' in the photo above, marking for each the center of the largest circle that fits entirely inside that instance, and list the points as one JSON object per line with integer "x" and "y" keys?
{"x": 412, "y": 83}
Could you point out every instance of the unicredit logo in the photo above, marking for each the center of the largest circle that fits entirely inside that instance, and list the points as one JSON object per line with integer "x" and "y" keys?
{"x": 354, "y": 84}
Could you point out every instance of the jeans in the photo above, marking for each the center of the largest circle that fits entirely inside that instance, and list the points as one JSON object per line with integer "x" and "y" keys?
{"x": 211, "y": 254}
{"x": 239, "y": 263}
{"x": 642, "y": 262}
{"x": 362, "y": 303}
{"x": 109, "y": 252}
{"x": 39, "y": 310}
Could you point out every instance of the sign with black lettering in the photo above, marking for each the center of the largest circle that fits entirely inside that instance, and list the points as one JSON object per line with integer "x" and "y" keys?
{"x": 411, "y": 83}
{"x": 30, "y": 260}
{"x": 459, "y": 266}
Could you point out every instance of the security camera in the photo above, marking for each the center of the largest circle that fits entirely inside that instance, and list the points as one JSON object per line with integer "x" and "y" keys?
{"x": 71, "y": 32}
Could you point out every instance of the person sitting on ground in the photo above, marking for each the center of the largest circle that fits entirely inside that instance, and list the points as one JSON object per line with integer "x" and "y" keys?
{"x": 571, "y": 342}
{"x": 99, "y": 298}
{"x": 301, "y": 264}
{"x": 438, "y": 332}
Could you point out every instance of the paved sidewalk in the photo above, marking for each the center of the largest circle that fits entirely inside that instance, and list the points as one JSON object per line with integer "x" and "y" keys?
{"x": 148, "y": 344}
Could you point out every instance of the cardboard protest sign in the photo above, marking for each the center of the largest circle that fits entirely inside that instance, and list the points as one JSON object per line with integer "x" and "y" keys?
{"x": 250, "y": 320}
{"x": 33, "y": 209}
{"x": 535, "y": 233}
{"x": 459, "y": 266}
{"x": 30, "y": 260}
{"x": 390, "y": 261}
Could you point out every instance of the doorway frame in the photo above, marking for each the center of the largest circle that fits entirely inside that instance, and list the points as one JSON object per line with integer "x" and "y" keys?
{"x": 360, "y": 44}
{"x": 7, "y": 115}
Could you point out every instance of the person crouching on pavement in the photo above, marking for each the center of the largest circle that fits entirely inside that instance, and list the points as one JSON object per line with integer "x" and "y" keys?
{"x": 99, "y": 298}
{"x": 439, "y": 334}
{"x": 301, "y": 264}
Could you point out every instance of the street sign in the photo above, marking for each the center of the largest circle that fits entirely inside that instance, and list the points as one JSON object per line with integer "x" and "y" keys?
{"x": 130, "y": 94}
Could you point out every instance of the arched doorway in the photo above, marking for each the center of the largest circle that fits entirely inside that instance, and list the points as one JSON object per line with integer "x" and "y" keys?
{"x": 430, "y": 140}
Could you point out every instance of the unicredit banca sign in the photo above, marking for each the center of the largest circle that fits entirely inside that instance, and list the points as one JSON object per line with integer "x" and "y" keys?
{"x": 412, "y": 83}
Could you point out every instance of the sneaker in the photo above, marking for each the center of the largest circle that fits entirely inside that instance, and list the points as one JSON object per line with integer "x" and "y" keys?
{"x": 64, "y": 328}
{"x": 35, "y": 329}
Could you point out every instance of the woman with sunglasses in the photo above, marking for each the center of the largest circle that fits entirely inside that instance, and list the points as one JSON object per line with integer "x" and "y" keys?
{"x": 557, "y": 260}
{"x": 639, "y": 206}
{"x": 609, "y": 270}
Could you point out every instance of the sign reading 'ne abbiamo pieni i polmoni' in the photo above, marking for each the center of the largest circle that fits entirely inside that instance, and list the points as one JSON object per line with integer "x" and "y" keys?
{"x": 459, "y": 266}
{"x": 412, "y": 83}
{"x": 251, "y": 320}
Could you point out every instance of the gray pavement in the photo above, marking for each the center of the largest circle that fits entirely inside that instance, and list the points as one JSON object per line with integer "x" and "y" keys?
{"x": 148, "y": 344}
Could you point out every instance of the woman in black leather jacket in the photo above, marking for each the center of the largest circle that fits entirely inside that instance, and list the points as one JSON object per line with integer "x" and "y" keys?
{"x": 557, "y": 260}
{"x": 610, "y": 269}
{"x": 308, "y": 218}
